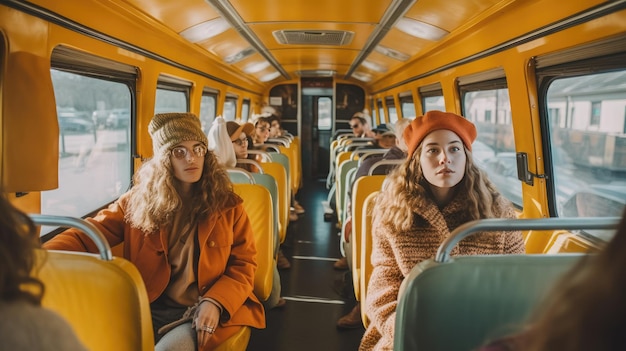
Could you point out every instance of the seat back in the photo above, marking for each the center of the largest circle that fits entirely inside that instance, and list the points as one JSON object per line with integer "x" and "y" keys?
{"x": 362, "y": 188}
{"x": 267, "y": 181}
{"x": 258, "y": 205}
{"x": 461, "y": 304}
{"x": 342, "y": 172}
{"x": 283, "y": 160}
{"x": 279, "y": 173}
{"x": 289, "y": 152}
{"x": 365, "y": 270}
{"x": 105, "y": 302}
{"x": 297, "y": 151}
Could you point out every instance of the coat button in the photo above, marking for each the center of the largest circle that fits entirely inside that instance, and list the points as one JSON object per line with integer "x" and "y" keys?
{"x": 211, "y": 243}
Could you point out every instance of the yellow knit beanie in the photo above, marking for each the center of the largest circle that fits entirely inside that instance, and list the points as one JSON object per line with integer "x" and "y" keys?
{"x": 169, "y": 129}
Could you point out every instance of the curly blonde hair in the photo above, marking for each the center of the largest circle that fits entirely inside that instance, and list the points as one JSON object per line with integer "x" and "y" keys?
{"x": 153, "y": 200}
{"x": 407, "y": 182}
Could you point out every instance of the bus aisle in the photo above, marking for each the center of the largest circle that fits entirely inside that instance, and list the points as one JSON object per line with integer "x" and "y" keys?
{"x": 308, "y": 321}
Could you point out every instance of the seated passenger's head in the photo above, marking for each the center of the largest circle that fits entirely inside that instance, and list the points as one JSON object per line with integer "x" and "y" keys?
{"x": 398, "y": 129}
{"x": 384, "y": 137}
{"x": 274, "y": 126}
{"x": 261, "y": 130}
{"x": 437, "y": 141}
{"x": 359, "y": 124}
{"x": 179, "y": 136}
{"x": 239, "y": 134}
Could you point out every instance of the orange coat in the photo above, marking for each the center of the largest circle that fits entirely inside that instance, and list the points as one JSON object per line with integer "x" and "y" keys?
{"x": 226, "y": 266}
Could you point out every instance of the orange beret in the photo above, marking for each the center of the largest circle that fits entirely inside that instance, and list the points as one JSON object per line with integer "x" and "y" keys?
{"x": 421, "y": 126}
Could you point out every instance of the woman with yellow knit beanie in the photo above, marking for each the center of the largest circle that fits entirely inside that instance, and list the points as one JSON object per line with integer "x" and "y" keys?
{"x": 188, "y": 235}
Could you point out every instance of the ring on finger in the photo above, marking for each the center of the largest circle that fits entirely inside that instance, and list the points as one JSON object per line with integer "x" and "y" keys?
{"x": 208, "y": 329}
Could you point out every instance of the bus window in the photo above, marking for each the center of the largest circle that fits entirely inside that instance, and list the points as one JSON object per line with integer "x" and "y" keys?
{"x": 391, "y": 109}
{"x": 230, "y": 108}
{"x": 407, "y": 105}
{"x": 324, "y": 113}
{"x": 488, "y": 107}
{"x": 207, "y": 110}
{"x": 381, "y": 113}
{"x": 171, "y": 98}
{"x": 433, "y": 103}
{"x": 245, "y": 110}
{"x": 432, "y": 97}
{"x": 95, "y": 122}
{"x": 587, "y": 123}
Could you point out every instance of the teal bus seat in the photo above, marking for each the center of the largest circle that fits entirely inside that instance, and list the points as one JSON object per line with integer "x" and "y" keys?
{"x": 461, "y": 303}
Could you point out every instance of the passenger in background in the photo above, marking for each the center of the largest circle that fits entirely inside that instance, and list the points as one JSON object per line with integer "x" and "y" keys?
{"x": 586, "y": 309}
{"x": 233, "y": 136}
{"x": 24, "y": 324}
{"x": 188, "y": 235}
{"x": 397, "y": 151}
{"x": 229, "y": 142}
{"x": 275, "y": 128}
{"x": 275, "y": 132}
{"x": 361, "y": 125}
{"x": 434, "y": 191}
{"x": 384, "y": 138}
{"x": 226, "y": 140}
{"x": 261, "y": 132}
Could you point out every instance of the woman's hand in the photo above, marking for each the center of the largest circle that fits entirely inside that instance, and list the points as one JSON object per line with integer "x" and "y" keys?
{"x": 207, "y": 320}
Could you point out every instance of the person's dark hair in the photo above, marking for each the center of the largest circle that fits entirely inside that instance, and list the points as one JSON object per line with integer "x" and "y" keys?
{"x": 361, "y": 119}
{"x": 18, "y": 241}
{"x": 587, "y": 309}
{"x": 262, "y": 119}
{"x": 272, "y": 118}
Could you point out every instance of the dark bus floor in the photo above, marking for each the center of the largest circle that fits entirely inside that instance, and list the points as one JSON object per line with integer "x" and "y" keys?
{"x": 308, "y": 320}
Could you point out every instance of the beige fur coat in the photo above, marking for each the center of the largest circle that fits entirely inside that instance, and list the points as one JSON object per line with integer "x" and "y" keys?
{"x": 395, "y": 253}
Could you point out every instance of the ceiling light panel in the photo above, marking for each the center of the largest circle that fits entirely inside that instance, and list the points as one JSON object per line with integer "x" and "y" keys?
{"x": 255, "y": 67}
{"x": 205, "y": 30}
{"x": 239, "y": 56}
{"x": 389, "y": 52}
{"x": 374, "y": 66}
{"x": 269, "y": 77}
{"x": 420, "y": 29}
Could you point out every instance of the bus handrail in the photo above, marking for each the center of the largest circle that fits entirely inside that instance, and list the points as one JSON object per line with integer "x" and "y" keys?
{"x": 265, "y": 156}
{"x": 243, "y": 172}
{"x": 251, "y": 162}
{"x": 89, "y": 229}
{"x": 494, "y": 224}
{"x": 383, "y": 162}
{"x": 278, "y": 141}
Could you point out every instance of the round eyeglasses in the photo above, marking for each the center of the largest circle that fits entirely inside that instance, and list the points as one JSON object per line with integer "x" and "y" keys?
{"x": 241, "y": 142}
{"x": 181, "y": 152}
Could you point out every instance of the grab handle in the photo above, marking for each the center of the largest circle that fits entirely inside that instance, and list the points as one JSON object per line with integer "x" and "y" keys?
{"x": 495, "y": 224}
{"x": 89, "y": 229}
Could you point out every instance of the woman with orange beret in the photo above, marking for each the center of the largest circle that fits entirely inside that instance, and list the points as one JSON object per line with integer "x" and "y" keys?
{"x": 436, "y": 189}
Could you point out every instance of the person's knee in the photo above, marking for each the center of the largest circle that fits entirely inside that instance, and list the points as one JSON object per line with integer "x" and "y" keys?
{"x": 181, "y": 338}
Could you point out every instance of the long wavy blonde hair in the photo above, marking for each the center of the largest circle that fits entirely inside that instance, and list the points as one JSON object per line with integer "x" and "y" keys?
{"x": 407, "y": 183}
{"x": 154, "y": 199}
